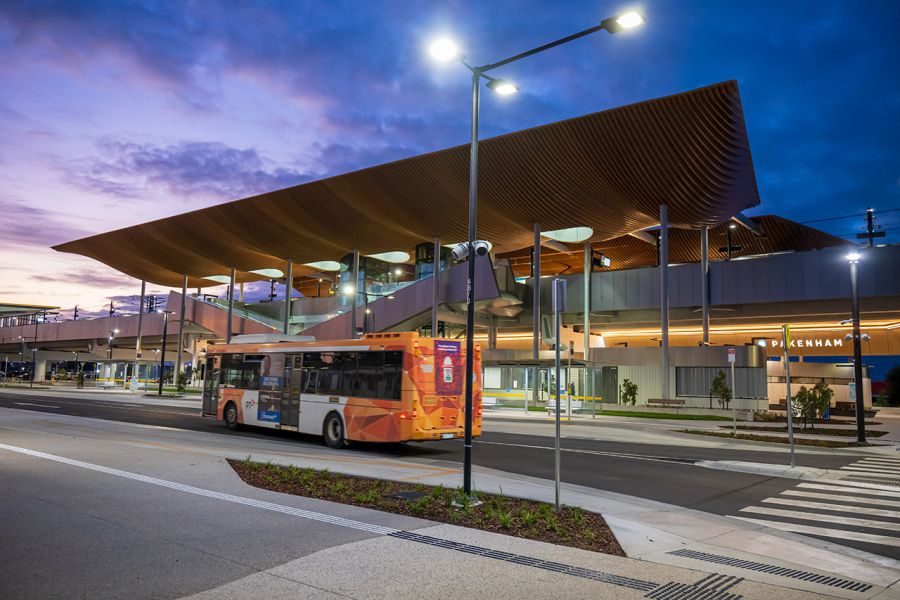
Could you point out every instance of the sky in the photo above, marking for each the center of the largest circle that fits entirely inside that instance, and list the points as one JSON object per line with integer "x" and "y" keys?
{"x": 113, "y": 113}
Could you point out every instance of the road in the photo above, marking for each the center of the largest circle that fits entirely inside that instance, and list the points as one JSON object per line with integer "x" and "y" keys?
{"x": 659, "y": 472}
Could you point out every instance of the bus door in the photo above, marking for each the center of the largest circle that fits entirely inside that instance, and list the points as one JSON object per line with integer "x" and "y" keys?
{"x": 210, "y": 387}
{"x": 290, "y": 397}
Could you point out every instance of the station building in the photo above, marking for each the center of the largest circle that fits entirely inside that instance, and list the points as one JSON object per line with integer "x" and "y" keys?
{"x": 640, "y": 209}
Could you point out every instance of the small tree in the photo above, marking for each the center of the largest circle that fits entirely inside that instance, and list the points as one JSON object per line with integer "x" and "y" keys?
{"x": 720, "y": 390}
{"x": 822, "y": 395}
{"x": 182, "y": 382}
{"x": 628, "y": 392}
{"x": 805, "y": 404}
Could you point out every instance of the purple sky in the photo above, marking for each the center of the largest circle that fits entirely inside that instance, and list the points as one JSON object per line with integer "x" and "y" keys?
{"x": 115, "y": 113}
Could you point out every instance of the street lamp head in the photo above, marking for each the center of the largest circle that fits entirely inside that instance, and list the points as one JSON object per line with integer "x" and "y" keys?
{"x": 628, "y": 20}
{"x": 445, "y": 50}
{"x": 348, "y": 289}
{"x": 503, "y": 87}
{"x": 853, "y": 257}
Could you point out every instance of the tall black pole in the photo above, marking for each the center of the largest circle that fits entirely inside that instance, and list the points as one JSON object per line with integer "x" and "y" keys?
{"x": 162, "y": 354}
{"x": 470, "y": 283}
{"x": 857, "y": 356}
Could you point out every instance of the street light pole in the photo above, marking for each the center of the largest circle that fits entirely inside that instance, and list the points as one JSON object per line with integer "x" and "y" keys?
{"x": 447, "y": 51}
{"x": 853, "y": 258}
{"x": 34, "y": 352}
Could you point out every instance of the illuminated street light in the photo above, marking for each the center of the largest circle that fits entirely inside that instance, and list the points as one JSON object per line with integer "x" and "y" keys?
{"x": 445, "y": 50}
{"x": 853, "y": 259}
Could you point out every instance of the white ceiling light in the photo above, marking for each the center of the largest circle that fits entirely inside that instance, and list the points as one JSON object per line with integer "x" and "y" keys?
{"x": 325, "y": 265}
{"x": 571, "y": 235}
{"x": 269, "y": 273}
{"x": 391, "y": 257}
{"x": 219, "y": 278}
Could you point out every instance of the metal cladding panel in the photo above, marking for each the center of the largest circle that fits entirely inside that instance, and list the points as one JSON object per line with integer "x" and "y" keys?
{"x": 609, "y": 170}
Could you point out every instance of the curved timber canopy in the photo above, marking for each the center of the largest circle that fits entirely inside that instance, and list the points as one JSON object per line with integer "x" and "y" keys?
{"x": 608, "y": 170}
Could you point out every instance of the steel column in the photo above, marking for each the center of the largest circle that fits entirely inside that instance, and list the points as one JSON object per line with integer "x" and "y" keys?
{"x": 435, "y": 286}
{"x": 228, "y": 333}
{"x": 704, "y": 281}
{"x": 857, "y": 356}
{"x": 536, "y": 282}
{"x": 178, "y": 360}
{"x": 137, "y": 345}
{"x": 354, "y": 294}
{"x": 587, "y": 300}
{"x": 288, "y": 294}
{"x": 664, "y": 295}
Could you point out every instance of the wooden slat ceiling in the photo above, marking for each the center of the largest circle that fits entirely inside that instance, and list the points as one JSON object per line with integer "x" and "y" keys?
{"x": 608, "y": 170}
{"x": 627, "y": 252}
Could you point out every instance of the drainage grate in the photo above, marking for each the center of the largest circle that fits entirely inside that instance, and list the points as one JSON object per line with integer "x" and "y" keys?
{"x": 711, "y": 587}
{"x": 636, "y": 584}
{"x": 846, "y": 584}
{"x": 874, "y": 479}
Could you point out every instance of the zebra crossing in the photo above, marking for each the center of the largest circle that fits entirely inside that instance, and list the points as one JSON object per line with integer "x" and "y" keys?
{"x": 863, "y": 506}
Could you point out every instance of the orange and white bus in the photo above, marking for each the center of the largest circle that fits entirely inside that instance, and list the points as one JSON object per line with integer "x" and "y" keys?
{"x": 385, "y": 387}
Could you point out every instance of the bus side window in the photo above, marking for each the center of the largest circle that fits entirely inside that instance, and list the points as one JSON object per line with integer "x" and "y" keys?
{"x": 391, "y": 375}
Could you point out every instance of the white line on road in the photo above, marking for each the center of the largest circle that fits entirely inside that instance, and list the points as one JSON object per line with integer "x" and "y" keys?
{"x": 867, "y": 469}
{"x": 596, "y": 452}
{"x": 840, "y": 534}
{"x": 30, "y": 404}
{"x": 803, "y": 516}
{"x": 837, "y": 488}
{"x": 290, "y": 510}
{"x": 883, "y": 461}
{"x": 861, "y": 510}
{"x": 858, "y": 499}
{"x": 864, "y": 486}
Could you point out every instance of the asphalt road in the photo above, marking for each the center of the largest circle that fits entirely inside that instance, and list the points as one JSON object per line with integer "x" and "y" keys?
{"x": 658, "y": 472}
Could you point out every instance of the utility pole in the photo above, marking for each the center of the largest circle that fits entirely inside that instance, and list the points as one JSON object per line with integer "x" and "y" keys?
{"x": 75, "y": 314}
{"x": 112, "y": 308}
{"x": 871, "y": 232}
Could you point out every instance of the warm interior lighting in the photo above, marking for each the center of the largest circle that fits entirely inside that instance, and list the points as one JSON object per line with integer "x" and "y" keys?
{"x": 348, "y": 289}
{"x": 398, "y": 272}
{"x": 503, "y": 87}
{"x": 444, "y": 50}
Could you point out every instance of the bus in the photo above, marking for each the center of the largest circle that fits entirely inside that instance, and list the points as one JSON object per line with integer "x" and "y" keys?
{"x": 384, "y": 387}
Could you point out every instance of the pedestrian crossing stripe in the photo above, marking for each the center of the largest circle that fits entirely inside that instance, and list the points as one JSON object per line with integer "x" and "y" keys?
{"x": 859, "y": 510}
{"x": 859, "y": 499}
{"x": 814, "y": 508}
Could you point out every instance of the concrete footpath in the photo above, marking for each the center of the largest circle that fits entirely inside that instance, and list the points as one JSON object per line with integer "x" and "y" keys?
{"x": 77, "y": 484}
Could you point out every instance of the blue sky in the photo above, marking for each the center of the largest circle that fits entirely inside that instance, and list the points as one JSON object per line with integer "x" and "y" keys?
{"x": 115, "y": 113}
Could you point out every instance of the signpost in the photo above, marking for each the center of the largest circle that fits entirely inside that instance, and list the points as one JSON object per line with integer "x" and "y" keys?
{"x": 731, "y": 357}
{"x": 559, "y": 303}
{"x": 786, "y": 333}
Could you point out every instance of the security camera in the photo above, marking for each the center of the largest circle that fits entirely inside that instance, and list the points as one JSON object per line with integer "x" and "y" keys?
{"x": 865, "y": 337}
{"x": 460, "y": 252}
{"x": 481, "y": 248}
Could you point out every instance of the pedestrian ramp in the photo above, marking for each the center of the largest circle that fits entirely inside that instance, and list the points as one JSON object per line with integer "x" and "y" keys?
{"x": 862, "y": 507}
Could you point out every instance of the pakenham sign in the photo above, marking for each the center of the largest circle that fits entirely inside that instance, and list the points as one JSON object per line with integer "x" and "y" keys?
{"x": 812, "y": 343}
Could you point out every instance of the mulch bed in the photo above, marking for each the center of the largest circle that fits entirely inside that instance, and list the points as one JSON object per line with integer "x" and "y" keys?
{"x": 752, "y": 437}
{"x": 571, "y": 526}
{"x": 820, "y": 431}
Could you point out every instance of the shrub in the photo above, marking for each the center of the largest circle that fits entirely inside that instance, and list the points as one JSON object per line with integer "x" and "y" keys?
{"x": 628, "y": 392}
{"x": 720, "y": 390}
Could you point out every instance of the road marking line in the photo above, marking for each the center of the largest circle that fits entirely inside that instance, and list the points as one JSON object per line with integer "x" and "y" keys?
{"x": 290, "y": 510}
{"x": 892, "y": 514}
{"x": 840, "y": 534}
{"x": 858, "y": 499}
{"x": 836, "y": 488}
{"x": 863, "y": 486}
{"x": 30, "y": 404}
{"x": 864, "y": 469}
{"x": 883, "y": 461}
{"x": 595, "y": 452}
{"x": 795, "y": 514}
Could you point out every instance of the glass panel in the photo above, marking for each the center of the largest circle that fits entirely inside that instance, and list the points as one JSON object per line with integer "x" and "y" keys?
{"x": 368, "y": 373}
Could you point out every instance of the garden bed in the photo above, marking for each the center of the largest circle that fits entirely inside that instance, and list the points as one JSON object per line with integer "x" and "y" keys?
{"x": 571, "y": 526}
{"x": 753, "y": 437}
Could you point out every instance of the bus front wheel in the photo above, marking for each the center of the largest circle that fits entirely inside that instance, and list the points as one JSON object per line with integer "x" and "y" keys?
{"x": 231, "y": 416}
{"x": 333, "y": 431}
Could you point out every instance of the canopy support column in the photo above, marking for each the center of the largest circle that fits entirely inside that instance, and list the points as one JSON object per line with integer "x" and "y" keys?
{"x": 137, "y": 344}
{"x": 178, "y": 360}
{"x": 587, "y": 300}
{"x": 230, "y": 308}
{"x": 664, "y": 295}
{"x": 354, "y": 294}
{"x": 704, "y": 281}
{"x": 435, "y": 286}
{"x": 288, "y": 295}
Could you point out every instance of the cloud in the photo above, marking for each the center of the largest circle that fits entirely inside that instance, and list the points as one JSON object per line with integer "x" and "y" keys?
{"x": 24, "y": 225}
{"x": 185, "y": 170}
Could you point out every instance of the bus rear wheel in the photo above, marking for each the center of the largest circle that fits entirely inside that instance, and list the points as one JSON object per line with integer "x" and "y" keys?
{"x": 333, "y": 431}
{"x": 231, "y": 416}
